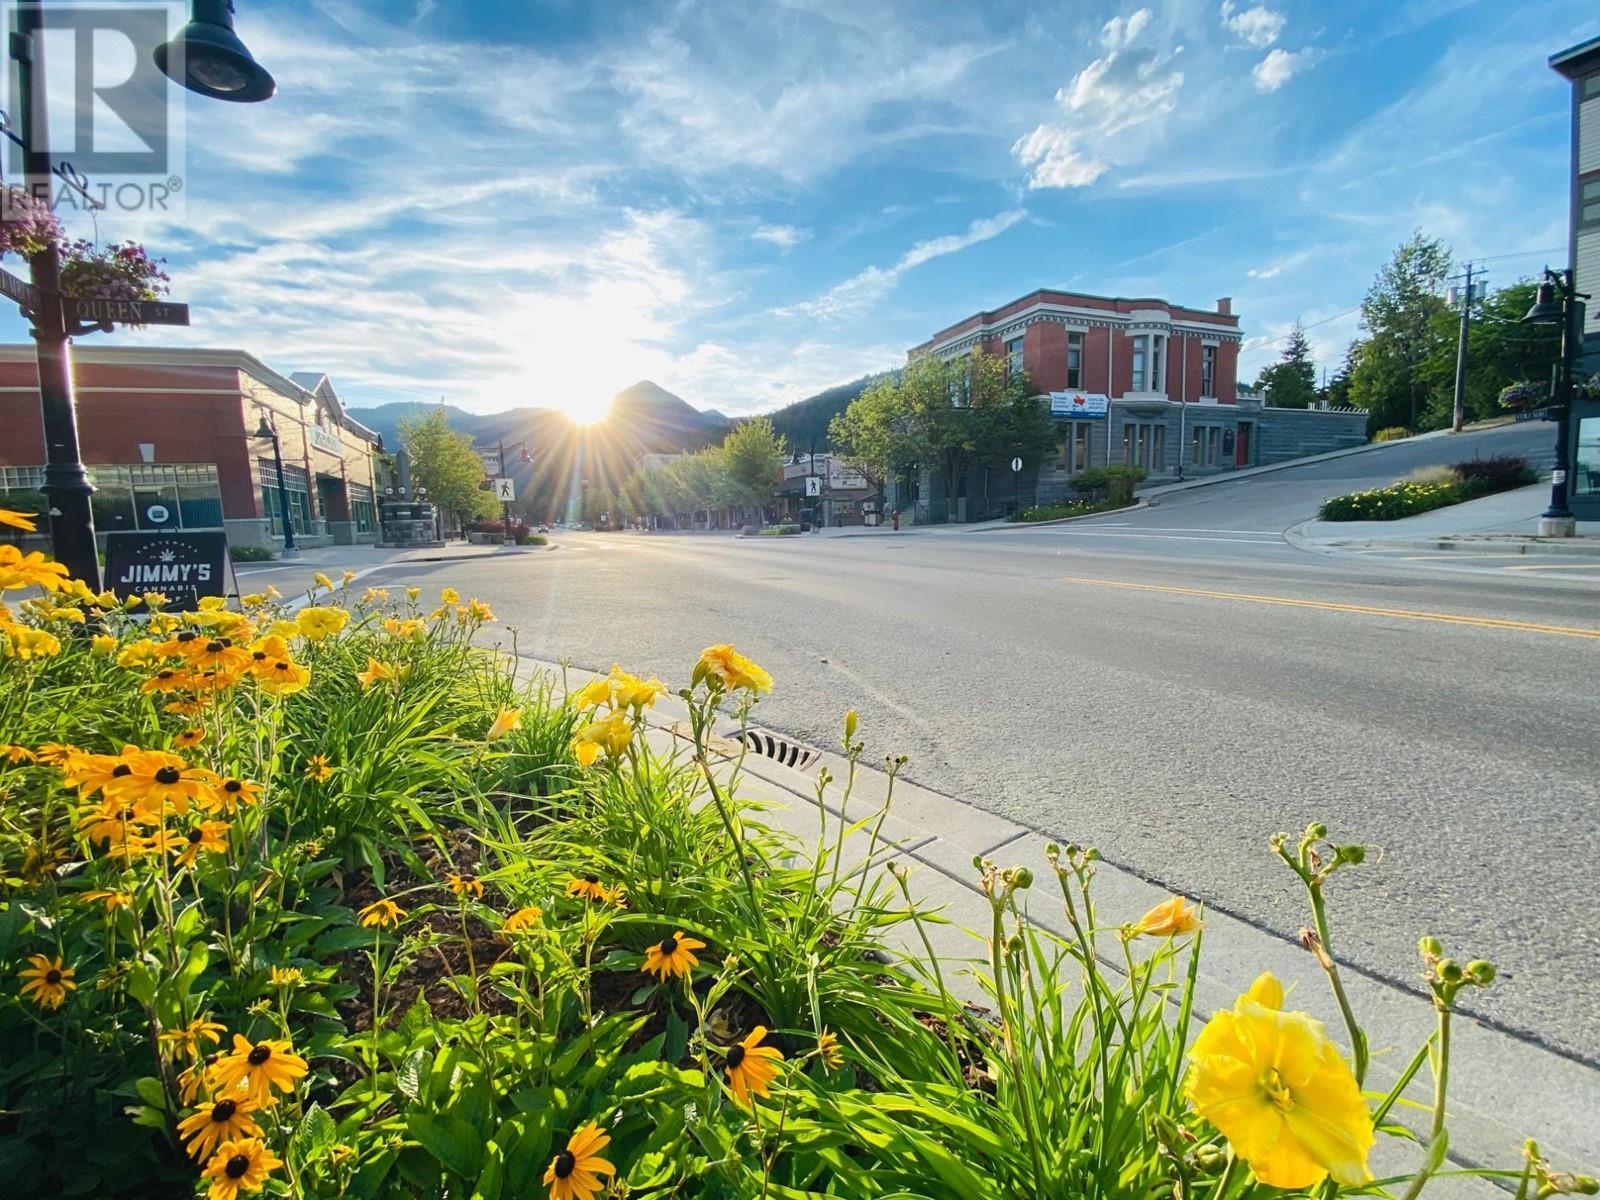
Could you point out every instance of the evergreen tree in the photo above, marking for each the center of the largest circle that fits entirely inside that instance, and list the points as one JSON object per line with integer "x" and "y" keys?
{"x": 1291, "y": 382}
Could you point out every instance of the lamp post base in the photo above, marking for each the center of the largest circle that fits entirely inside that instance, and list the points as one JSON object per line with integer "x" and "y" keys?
{"x": 1558, "y": 527}
{"x": 291, "y": 552}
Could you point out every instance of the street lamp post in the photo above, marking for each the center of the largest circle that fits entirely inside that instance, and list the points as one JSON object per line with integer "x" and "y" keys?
{"x": 1557, "y": 301}
{"x": 506, "y": 537}
{"x": 267, "y": 431}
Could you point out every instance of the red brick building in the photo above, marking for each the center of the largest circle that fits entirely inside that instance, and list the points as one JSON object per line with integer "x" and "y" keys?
{"x": 168, "y": 436}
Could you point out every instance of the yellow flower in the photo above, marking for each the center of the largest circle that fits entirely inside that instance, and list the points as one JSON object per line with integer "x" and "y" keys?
{"x": 611, "y": 735}
{"x": 102, "y": 644}
{"x": 285, "y": 977}
{"x": 410, "y": 628}
{"x": 190, "y": 1041}
{"x": 155, "y": 599}
{"x": 48, "y": 980}
{"x": 139, "y": 654}
{"x": 17, "y": 754}
{"x": 376, "y": 672}
{"x": 413, "y": 592}
{"x": 450, "y": 596}
{"x": 375, "y": 596}
{"x": 521, "y": 921}
{"x": 322, "y": 581}
{"x": 464, "y": 886}
{"x": 734, "y": 670}
{"x": 240, "y": 1165}
{"x": 381, "y": 914}
{"x": 189, "y": 739}
{"x": 479, "y": 610}
{"x": 111, "y": 900}
{"x": 573, "y": 1173}
{"x": 505, "y": 721}
{"x": 208, "y": 837}
{"x": 318, "y": 770}
{"x": 231, "y": 793}
{"x": 752, "y": 1066}
{"x": 589, "y": 887}
{"x": 829, "y": 1050}
{"x": 281, "y": 676}
{"x": 258, "y": 1069}
{"x": 18, "y": 520}
{"x": 347, "y": 577}
{"x": 19, "y": 641}
{"x": 1276, "y": 1087}
{"x": 315, "y": 624}
{"x": 673, "y": 956}
{"x": 1168, "y": 919}
{"x": 19, "y": 570}
{"x": 226, "y": 1120}
{"x": 252, "y": 599}
{"x": 212, "y": 604}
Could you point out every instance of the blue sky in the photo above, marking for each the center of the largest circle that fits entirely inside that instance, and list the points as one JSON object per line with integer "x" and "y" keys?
{"x": 507, "y": 202}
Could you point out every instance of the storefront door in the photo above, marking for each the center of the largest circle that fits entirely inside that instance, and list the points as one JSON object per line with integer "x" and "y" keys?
{"x": 1585, "y": 485}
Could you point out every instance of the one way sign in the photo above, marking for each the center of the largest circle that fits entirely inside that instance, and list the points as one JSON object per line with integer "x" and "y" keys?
{"x": 505, "y": 490}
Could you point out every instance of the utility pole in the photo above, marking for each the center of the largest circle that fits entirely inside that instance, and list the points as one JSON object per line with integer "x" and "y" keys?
{"x": 1460, "y": 416}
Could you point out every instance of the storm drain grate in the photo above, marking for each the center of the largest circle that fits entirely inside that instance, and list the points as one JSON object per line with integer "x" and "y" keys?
{"x": 779, "y": 749}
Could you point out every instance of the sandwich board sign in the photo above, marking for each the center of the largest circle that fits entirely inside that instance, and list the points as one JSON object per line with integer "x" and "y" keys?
{"x": 182, "y": 566}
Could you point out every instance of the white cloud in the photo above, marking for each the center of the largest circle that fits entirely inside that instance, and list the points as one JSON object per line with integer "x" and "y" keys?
{"x": 866, "y": 288}
{"x": 1258, "y": 26}
{"x": 785, "y": 237}
{"x": 1119, "y": 31}
{"x": 1056, "y": 161}
{"x": 1279, "y": 66}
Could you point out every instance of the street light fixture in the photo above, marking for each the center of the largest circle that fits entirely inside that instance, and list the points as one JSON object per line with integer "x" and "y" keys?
{"x": 266, "y": 431}
{"x": 207, "y": 57}
{"x": 1557, "y": 302}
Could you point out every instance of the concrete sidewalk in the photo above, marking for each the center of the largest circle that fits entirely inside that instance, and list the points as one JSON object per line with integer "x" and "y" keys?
{"x": 1505, "y": 523}
{"x": 1504, "y": 1086}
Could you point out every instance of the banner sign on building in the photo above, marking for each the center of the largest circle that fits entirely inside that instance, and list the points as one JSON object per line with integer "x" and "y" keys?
{"x": 326, "y": 439}
{"x": 181, "y": 566}
{"x": 1079, "y": 405}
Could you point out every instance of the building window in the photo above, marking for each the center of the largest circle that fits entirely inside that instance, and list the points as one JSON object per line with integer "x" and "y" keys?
{"x": 296, "y": 484}
{"x": 361, "y": 507}
{"x": 1158, "y": 357}
{"x": 1589, "y": 204}
{"x": 156, "y": 496}
{"x": 1075, "y": 449}
{"x": 959, "y": 377}
{"x": 1074, "y": 360}
{"x": 1144, "y": 444}
{"x": 1208, "y": 370}
{"x": 1205, "y": 443}
{"x": 1591, "y": 86}
{"x": 1014, "y": 356}
{"x": 1141, "y": 351}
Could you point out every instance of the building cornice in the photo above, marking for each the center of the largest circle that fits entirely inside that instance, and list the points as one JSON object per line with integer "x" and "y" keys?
{"x": 1075, "y": 318}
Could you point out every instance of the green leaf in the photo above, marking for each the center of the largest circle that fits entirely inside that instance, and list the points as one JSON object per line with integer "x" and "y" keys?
{"x": 151, "y": 1092}
{"x": 456, "y": 1145}
{"x": 408, "y": 1077}
{"x": 314, "y": 1135}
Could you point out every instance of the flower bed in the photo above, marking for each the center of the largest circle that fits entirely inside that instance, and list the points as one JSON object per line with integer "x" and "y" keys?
{"x": 324, "y": 904}
{"x": 1056, "y": 512}
{"x": 1468, "y": 480}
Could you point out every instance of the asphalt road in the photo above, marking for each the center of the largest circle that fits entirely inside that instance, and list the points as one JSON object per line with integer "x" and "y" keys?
{"x": 1131, "y": 683}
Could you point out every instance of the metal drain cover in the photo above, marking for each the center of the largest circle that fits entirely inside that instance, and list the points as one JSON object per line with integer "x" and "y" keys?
{"x": 779, "y": 748}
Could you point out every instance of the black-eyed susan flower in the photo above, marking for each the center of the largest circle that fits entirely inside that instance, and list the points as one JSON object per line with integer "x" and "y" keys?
{"x": 588, "y": 887}
{"x": 158, "y": 782}
{"x": 168, "y": 679}
{"x": 233, "y": 793}
{"x": 192, "y": 1080}
{"x": 752, "y": 1066}
{"x": 281, "y": 676}
{"x": 239, "y": 1165}
{"x": 521, "y": 921}
{"x": 464, "y": 886}
{"x": 208, "y": 837}
{"x": 506, "y": 720}
{"x": 47, "y": 980}
{"x": 257, "y": 1069}
{"x": 318, "y": 770}
{"x": 110, "y": 900}
{"x": 672, "y": 955}
{"x": 225, "y": 1120}
{"x": 192, "y": 1042}
{"x": 18, "y": 754}
{"x": 829, "y": 1050}
{"x": 189, "y": 739}
{"x": 574, "y": 1173}
{"x": 381, "y": 914}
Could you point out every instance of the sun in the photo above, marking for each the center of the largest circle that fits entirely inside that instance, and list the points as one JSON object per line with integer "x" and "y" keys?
{"x": 581, "y": 409}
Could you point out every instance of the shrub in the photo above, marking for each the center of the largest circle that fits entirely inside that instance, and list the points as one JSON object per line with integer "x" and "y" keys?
{"x": 1499, "y": 473}
{"x": 1055, "y": 512}
{"x": 1392, "y": 433}
{"x": 1113, "y": 483}
{"x": 251, "y": 553}
{"x": 437, "y": 933}
{"x": 779, "y": 530}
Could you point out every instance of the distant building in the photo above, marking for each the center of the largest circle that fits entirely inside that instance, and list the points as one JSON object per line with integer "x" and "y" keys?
{"x": 168, "y": 437}
{"x": 1581, "y": 65}
{"x": 830, "y": 489}
{"x": 1140, "y": 381}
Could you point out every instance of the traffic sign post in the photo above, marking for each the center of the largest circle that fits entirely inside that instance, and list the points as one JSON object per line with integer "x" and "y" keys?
{"x": 1016, "y": 483}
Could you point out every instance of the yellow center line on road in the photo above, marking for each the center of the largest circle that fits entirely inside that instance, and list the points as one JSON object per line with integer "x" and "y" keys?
{"x": 1408, "y": 614}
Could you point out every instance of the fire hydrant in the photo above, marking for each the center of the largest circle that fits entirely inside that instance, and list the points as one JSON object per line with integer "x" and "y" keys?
{"x": 897, "y": 518}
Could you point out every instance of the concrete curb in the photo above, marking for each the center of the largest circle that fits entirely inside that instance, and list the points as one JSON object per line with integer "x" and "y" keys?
{"x": 1013, "y": 526}
{"x": 1505, "y": 1086}
{"x": 1467, "y": 543}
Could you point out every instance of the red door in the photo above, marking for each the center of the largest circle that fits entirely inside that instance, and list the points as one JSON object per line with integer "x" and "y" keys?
{"x": 1242, "y": 446}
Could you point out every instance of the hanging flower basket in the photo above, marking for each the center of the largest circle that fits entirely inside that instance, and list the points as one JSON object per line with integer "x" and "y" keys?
{"x": 1521, "y": 395}
{"x": 27, "y": 225}
{"x": 119, "y": 271}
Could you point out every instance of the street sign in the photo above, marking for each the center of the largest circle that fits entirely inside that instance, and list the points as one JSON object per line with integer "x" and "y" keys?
{"x": 19, "y": 290}
{"x": 182, "y": 566}
{"x": 505, "y": 490}
{"x": 813, "y": 485}
{"x": 1536, "y": 414}
{"x": 1016, "y": 465}
{"x": 490, "y": 458}
{"x": 126, "y": 312}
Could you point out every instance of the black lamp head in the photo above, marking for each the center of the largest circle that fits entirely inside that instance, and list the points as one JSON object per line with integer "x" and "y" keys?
{"x": 264, "y": 430}
{"x": 1546, "y": 308}
{"x": 207, "y": 57}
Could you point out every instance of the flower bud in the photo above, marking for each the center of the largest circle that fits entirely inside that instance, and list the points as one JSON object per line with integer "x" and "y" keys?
{"x": 1449, "y": 970}
{"x": 1209, "y": 1157}
{"x": 1014, "y": 944}
{"x": 1021, "y": 878}
{"x": 1316, "y": 830}
{"x": 1481, "y": 972}
{"x": 1354, "y": 855}
{"x": 850, "y": 725}
{"x": 1091, "y": 855}
{"x": 1430, "y": 947}
{"x": 1053, "y": 850}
